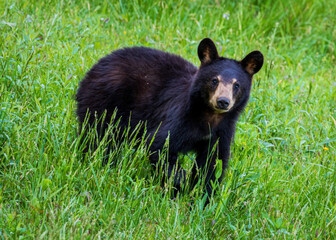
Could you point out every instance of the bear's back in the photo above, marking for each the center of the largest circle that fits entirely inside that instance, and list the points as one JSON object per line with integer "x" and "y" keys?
{"x": 147, "y": 82}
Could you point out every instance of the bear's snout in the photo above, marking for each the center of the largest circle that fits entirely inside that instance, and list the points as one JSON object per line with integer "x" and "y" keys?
{"x": 223, "y": 103}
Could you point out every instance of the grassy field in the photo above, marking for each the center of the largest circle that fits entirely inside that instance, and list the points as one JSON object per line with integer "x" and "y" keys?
{"x": 281, "y": 183}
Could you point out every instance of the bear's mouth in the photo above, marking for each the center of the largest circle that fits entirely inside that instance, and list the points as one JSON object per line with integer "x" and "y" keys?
{"x": 220, "y": 110}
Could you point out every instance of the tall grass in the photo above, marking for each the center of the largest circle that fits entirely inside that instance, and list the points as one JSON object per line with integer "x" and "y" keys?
{"x": 281, "y": 182}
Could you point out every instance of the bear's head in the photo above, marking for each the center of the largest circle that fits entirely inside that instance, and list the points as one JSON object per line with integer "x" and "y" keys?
{"x": 224, "y": 84}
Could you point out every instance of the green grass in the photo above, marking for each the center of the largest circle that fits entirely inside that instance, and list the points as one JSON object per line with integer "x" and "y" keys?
{"x": 281, "y": 183}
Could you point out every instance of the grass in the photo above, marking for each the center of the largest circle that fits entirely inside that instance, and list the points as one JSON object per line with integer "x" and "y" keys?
{"x": 281, "y": 182}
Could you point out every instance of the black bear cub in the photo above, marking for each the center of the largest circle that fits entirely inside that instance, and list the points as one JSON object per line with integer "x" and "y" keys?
{"x": 197, "y": 108}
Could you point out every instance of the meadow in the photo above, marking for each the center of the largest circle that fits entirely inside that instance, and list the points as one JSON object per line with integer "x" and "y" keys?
{"x": 281, "y": 182}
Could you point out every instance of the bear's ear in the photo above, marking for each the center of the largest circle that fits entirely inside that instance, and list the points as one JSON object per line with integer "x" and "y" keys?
{"x": 207, "y": 51}
{"x": 253, "y": 62}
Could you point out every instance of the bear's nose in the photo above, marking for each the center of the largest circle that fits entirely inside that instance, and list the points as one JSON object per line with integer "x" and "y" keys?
{"x": 223, "y": 103}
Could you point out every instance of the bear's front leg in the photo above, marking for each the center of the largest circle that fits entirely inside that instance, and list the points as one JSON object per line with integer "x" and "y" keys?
{"x": 170, "y": 168}
{"x": 205, "y": 167}
{"x": 174, "y": 171}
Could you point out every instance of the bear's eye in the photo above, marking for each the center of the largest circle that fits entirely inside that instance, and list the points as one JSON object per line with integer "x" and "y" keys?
{"x": 214, "y": 81}
{"x": 236, "y": 86}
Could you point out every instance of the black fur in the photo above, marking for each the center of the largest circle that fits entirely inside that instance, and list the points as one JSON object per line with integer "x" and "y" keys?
{"x": 172, "y": 96}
